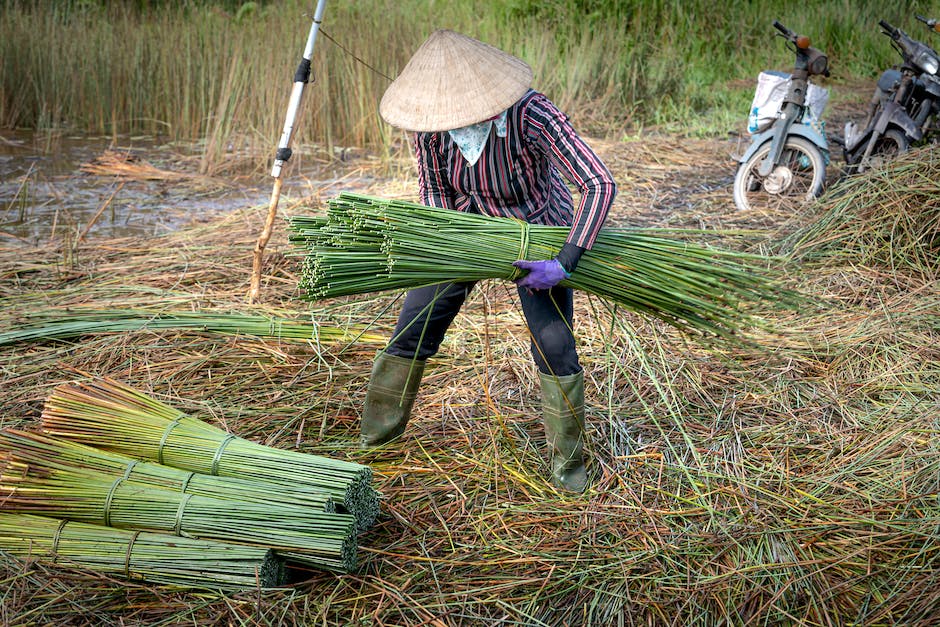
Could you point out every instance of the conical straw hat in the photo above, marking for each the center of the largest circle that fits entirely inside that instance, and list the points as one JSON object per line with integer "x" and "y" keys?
{"x": 453, "y": 81}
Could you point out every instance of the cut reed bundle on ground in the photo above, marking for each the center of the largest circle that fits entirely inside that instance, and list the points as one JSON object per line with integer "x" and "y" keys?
{"x": 141, "y": 555}
{"x": 318, "y": 539}
{"x": 885, "y": 216}
{"x": 39, "y": 451}
{"x": 110, "y": 415}
{"x": 118, "y": 164}
{"x": 64, "y": 324}
{"x": 367, "y": 244}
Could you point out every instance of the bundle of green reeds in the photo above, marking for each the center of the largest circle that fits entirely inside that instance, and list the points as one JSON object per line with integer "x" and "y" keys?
{"x": 886, "y": 216}
{"x": 38, "y": 450}
{"x": 322, "y": 540}
{"x": 367, "y": 244}
{"x": 107, "y": 414}
{"x": 60, "y": 324}
{"x": 141, "y": 555}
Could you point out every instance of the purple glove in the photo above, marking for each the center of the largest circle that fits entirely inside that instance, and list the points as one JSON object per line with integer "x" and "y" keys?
{"x": 542, "y": 274}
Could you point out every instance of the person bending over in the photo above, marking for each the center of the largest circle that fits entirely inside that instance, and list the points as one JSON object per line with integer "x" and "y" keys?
{"x": 487, "y": 143}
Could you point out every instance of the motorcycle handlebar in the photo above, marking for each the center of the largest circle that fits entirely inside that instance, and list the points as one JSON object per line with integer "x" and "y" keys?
{"x": 930, "y": 22}
{"x": 889, "y": 30}
{"x": 786, "y": 32}
{"x": 799, "y": 41}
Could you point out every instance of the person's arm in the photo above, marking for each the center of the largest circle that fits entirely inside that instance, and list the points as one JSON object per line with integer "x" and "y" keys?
{"x": 550, "y": 131}
{"x": 569, "y": 256}
{"x": 434, "y": 188}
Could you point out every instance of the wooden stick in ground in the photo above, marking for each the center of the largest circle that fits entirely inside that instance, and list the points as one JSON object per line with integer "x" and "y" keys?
{"x": 263, "y": 241}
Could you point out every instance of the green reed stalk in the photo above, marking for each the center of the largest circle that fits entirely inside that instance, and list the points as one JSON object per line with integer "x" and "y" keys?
{"x": 61, "y": 324}
{"x": 141, "y": 555}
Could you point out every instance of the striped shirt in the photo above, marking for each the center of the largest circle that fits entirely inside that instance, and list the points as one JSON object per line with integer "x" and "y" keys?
{"x": 519, "y": 176}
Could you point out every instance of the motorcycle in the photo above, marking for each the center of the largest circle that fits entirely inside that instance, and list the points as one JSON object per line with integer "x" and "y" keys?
{"x": 785, "y": 164}
{"x": 903, "y": 107}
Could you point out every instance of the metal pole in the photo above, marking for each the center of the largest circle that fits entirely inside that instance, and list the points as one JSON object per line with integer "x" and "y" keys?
{"x": 301, "y": 78}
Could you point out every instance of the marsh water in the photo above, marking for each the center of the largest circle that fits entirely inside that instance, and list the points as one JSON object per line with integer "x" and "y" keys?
{"x": 45, "y": 191}
{"x": 72, "y": 186}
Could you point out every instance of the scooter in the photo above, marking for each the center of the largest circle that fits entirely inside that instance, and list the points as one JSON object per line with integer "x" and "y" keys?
{"x": 785, "y": 164}
{"x": 903, "y": 107}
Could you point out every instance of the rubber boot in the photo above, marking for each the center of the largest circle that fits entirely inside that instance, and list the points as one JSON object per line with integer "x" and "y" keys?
{"x": 563, "y": 417}
{"x": 389, "y": 398}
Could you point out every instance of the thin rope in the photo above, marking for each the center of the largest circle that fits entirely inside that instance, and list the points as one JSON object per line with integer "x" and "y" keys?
{"x": 106, "y": 518}
{"x": 129, "y": 469}
{"x": 523, "y": 249}
{"x": 350, "y": 53}
{"x": 186, "y": 483}
{"x": 524, "y": 241}
{"x": 55, "y": 540}
{"x": 179, "y": 513}
{"x": 127, "y": 556}
{"x": 166, "y": 434}
{"x": 214, "y": 470}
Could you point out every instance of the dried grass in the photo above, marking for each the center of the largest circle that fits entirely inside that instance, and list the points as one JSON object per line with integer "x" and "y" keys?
{"x": 126, "y": 165}
{"x": 791, "y": 485}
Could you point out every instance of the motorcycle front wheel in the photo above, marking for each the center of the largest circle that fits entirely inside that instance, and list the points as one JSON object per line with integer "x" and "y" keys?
{"x": 798, "y": 177}
{"x": 889, "y": 146}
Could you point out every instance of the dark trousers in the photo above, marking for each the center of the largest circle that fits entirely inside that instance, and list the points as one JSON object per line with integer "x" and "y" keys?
{"x": 428, "y": 312}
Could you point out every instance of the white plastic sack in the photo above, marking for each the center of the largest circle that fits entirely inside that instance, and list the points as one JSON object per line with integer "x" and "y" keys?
{"x": 768, "y": 100}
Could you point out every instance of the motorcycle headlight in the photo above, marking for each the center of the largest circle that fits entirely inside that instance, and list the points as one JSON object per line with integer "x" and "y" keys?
{"x": 927, "y": 61}
{"x": 819, "y": 65}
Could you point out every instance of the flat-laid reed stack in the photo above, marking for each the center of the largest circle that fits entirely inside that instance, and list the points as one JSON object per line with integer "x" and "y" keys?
{"x": 39, "y": 451}
{"x": 107, "y": 414}
{"x": 141, "y": 555}
{"x": 318, "y": 539}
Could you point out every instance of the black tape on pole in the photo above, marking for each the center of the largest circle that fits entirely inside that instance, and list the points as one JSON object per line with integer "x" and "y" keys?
{"x": 302, "y": 75}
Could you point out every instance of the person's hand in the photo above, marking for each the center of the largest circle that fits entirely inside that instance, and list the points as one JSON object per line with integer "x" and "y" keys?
{"x": 542, "y": 274}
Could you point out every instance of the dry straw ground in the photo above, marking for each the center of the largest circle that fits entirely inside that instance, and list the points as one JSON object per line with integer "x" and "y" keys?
{"x": 795, "y": 483}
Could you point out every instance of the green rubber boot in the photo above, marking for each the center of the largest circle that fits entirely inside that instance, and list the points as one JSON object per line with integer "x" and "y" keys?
{"x": 389, "y": 398}
{"x": 563, "y": 417}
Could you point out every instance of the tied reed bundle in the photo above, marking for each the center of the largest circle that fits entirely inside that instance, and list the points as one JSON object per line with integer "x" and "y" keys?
{"x": 37, "y": 450}
{"x": 75, "y": 322}
{"x": 107, "y": 414}
{"x": 321, "y": 540}
{"x": 141, "y": 555}
{"x": 367, "y": 244}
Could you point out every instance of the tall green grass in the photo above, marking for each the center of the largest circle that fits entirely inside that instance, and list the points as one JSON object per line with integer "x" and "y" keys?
{"x": 220, "y": 72}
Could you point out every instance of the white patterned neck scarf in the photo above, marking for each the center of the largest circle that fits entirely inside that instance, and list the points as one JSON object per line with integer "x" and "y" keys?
{"x": 471, "y": 139}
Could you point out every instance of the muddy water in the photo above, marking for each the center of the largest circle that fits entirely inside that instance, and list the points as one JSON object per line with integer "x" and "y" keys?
{"x": 44, "y": 193}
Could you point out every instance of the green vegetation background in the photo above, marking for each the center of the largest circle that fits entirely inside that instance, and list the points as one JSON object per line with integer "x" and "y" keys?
{"x": 220, "y": 71}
